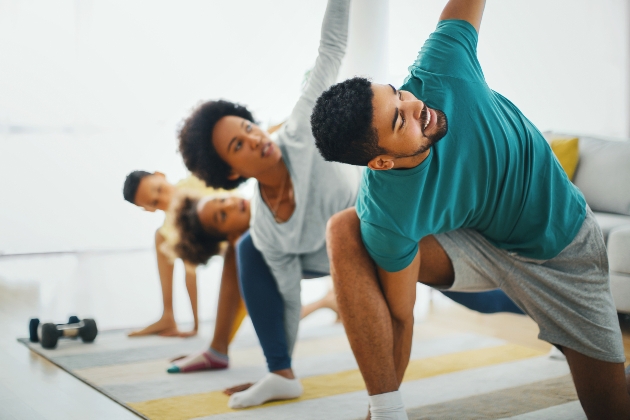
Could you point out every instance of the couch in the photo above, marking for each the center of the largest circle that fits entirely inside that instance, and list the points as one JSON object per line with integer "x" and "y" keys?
{"x": 603, "y": 176}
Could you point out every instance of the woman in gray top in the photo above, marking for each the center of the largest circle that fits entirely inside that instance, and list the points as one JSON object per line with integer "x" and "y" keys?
{"x": 297, "y": 193}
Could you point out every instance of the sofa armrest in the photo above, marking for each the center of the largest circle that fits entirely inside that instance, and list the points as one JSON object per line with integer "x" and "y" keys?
{"x": 619, "y": 249}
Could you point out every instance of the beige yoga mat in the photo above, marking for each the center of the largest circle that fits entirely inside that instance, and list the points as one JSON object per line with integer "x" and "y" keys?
{"x": 451, "y": 375}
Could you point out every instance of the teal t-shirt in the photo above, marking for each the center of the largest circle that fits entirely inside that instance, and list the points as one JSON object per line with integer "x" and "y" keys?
{"x": 492, "y": 172}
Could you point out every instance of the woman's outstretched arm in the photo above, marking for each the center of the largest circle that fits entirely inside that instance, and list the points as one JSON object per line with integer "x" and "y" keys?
{"x": 332, "y": 48}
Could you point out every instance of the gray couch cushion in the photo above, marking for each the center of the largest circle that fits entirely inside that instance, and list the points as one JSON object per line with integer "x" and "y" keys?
{"x": 619, "y": 250}
{"x": 603, "y": 174}
{"x": 608, "y": 222}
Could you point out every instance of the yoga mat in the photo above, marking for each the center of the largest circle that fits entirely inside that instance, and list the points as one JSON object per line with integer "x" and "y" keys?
{"x": 451, "y": 375}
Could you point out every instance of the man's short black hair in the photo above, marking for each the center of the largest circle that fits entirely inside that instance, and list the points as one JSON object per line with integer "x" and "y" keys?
{"x": 195, "y": 143}
{"x": 342, "y": 123}
{"x": 132, "y": 182}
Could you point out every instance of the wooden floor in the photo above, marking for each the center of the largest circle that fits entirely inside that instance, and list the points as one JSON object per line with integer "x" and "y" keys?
{"x": 32, "y": 388}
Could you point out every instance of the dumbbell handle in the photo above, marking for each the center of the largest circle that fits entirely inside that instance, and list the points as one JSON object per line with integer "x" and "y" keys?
{"x": 79, "y": 324}
{"x": 70, "y": 330}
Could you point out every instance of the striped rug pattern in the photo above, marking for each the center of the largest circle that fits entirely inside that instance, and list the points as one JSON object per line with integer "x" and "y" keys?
{"x": 452, "y": 375}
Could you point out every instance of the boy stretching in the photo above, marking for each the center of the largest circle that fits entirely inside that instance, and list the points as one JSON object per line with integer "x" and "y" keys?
{"x": 463, "y": 193}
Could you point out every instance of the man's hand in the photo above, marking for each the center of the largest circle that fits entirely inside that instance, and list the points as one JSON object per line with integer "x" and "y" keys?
{"x": 469, "y": 10}
{"x": 399, "y": 289}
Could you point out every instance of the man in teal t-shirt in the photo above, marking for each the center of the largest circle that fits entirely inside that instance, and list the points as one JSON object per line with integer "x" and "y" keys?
{"x": 461, "y": 192}
{"x": 492, "y": 171}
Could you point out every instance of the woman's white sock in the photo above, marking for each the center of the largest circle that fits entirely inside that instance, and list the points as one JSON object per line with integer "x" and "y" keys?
{"x": 388, "y": 406}
{"x": 271, "y": 387}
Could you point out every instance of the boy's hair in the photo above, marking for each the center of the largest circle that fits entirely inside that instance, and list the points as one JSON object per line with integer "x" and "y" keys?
{"x": 342, "y": 123}
{"x": 196, "y": 245}
{"x": 132, "y": 182}
{"x": 195, "y": 143}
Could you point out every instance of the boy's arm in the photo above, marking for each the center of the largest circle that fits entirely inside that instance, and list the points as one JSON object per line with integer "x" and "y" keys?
{"x": 469, "y": 10}
{"x": 399, "y": 289}
{"x": 191, "y": 287}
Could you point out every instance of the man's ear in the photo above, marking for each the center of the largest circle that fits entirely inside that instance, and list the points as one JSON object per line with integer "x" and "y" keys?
{"x": 381, "y": 163}
{"x": 159, "y": 174}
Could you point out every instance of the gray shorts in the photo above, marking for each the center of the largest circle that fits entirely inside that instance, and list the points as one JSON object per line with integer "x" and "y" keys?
{"x": 568, "y": 296}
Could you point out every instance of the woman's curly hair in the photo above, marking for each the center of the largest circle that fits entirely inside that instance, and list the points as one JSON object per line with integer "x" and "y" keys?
{"x": 195, "y": 143}
{"x": 195, "y": 245}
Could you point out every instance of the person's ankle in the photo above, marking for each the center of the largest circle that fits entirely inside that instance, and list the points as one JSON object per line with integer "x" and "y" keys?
{"x": 285, "y": 373}
{"x": 220, "y": 346}
{"x": 388, "y": 405}
{"x": 222, "y": 350}
{"x": 168, "y": 316}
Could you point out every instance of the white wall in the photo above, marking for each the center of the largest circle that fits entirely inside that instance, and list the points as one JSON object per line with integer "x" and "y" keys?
{"x": 91, "y": 89}
{"x": 564, "y": 63}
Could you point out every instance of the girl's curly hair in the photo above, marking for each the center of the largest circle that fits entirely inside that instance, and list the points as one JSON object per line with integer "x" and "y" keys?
{"x": 196, "y": 244}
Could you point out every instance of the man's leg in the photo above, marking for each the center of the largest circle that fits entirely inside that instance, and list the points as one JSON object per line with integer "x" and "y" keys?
{"x": 166, "y": 324}
{"x": 569, "y": 297}
{"x": 601, "y": 386}
{"x": 362, "y": 304}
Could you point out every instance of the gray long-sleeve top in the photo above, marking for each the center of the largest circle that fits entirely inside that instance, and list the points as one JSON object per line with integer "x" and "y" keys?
{"x": 321, "y": 188}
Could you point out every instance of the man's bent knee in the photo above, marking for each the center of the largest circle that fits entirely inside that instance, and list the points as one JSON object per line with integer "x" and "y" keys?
{"x": 344, "y": 245}
{"x": 342, "y": 226}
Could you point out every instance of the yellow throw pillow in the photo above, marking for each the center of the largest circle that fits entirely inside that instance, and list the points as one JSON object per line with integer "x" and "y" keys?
{"x": 567, "y": 152}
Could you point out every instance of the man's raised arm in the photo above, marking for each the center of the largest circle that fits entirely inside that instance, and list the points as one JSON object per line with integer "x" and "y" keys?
{"x": 469, "y": 10}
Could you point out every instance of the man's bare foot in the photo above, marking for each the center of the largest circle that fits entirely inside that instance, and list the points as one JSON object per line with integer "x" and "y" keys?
{"x": 237, "y": 388}
{"x": 165, "y": 326}
{"x": 329, "y": 301}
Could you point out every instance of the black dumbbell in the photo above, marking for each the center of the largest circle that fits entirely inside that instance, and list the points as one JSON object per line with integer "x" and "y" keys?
{"x": 34, "y": 323}
{"x": 32, "y": 330}
{"x": 48, "y": 334}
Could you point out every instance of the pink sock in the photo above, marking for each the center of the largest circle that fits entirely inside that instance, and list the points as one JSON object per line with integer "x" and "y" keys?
{"x": 209, "y": 359}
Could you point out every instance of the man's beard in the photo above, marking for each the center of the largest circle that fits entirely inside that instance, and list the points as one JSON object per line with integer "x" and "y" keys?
{"x": 441, "y": 129}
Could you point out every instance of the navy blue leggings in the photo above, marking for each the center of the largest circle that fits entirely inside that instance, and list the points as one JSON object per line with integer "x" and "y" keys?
{"x": 266, "y": 308}
{"x": 489, "y": 302}
{"x": 264, "y": 303}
